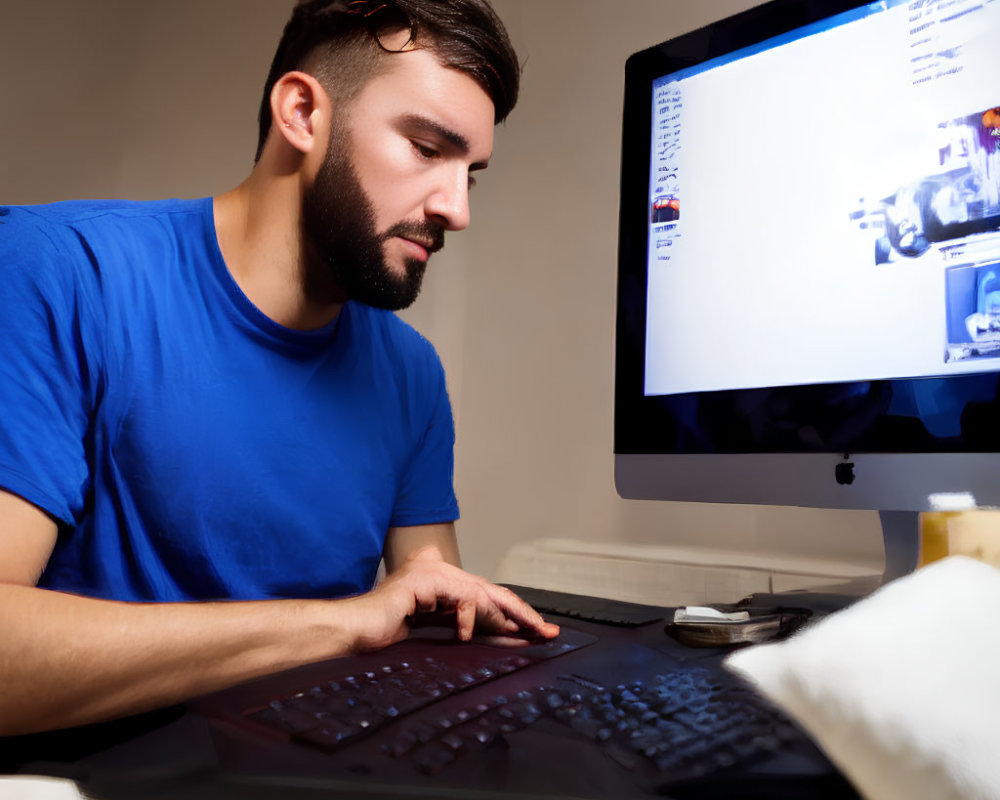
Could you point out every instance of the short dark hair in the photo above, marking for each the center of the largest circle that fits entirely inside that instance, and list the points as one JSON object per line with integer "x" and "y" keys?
{"x": 338, "y": 41}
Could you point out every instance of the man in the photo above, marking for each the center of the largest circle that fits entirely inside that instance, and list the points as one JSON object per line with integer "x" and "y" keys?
{"x": 199, "y": 400}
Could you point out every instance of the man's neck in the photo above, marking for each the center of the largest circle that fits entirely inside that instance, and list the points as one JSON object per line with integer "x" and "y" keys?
{"x": 258, "y": 225}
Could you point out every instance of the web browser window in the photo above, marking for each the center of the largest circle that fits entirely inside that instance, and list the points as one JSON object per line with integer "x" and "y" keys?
{"x": 825, "y": 207}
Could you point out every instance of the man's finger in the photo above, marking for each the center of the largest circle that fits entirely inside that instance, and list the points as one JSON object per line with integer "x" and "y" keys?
{"x": 465, "y": 619}
{"x": 516, "y": 609}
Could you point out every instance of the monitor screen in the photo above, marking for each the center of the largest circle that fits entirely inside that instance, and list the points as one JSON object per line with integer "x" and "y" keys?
{"x": 809, "y": 269}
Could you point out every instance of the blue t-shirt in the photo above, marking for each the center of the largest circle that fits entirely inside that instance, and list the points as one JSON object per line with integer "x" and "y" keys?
{"x": 189, "y": 446}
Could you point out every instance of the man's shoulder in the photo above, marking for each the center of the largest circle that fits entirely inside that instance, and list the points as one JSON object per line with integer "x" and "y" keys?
{"x": 72, "y": 212}
{"x": 63, "y": 223}
{"x": 38, "y": 244}
{"x": 95, "y": 248}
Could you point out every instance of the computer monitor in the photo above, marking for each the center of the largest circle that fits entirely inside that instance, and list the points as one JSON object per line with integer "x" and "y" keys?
{"x": 809, "y": 265}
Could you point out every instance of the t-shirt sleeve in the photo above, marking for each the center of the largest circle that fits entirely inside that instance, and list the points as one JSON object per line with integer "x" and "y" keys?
{"x": 48, "y": 368}
{"x": 426, "y": 494}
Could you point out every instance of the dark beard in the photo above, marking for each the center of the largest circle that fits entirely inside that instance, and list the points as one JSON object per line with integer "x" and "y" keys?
{"x": 338, "y": 225}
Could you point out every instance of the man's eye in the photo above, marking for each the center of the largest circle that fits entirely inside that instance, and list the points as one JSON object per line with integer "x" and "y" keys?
{"x": 424, "y": 151}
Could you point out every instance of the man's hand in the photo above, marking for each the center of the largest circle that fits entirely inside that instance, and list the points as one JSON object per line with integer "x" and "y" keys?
{"x": 426, "y": 586}
{"x": 69, "y": 660}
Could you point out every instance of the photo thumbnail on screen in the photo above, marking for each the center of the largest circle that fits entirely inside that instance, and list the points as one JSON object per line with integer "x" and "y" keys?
{"x": 666, "y": 208}
{"x": 955, "y": 210}
{"x": 973, "y": 319}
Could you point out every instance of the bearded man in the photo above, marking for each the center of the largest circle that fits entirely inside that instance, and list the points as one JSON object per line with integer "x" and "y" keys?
{"x": 210, "y": 400}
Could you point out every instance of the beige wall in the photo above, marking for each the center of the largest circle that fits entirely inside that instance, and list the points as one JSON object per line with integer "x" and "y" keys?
{"x": 149, "y": 99}
{"x": 133, "y": 99}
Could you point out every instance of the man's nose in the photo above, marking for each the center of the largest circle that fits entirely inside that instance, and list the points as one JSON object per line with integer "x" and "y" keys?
{"x": 449, "y": 203}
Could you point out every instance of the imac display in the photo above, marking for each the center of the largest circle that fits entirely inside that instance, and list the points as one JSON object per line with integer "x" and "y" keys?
{"x": 809, "y": 267}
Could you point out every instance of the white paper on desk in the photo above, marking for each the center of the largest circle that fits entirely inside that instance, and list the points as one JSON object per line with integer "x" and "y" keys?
{"x": 38, "y": 788}
{"x": 703, "y": 614}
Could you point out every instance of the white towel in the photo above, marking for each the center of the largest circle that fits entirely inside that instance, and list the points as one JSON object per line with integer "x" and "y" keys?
{"x": 902, "y": 689}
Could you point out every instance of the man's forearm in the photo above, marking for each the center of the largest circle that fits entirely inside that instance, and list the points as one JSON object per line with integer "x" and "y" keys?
{"x": 67, "y": 660}
{"x": 402, "y": 542}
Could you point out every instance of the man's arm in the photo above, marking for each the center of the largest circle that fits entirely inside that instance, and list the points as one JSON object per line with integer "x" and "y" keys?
{"x": 403, "y": 542}
{"x": 68, "y": 660}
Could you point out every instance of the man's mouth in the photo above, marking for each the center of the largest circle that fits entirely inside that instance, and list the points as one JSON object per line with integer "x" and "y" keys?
{"x": 420, "y": 250}
{"x": 421, "y": 239}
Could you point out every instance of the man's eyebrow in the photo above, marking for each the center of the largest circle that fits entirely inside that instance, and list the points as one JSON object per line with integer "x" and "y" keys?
{"x": 454, "y": 138}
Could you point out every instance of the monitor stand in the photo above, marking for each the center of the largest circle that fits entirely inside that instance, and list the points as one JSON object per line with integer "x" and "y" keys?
{"x": 901, "y": 537}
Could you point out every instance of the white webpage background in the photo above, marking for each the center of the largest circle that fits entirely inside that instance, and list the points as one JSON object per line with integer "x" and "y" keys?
{"x": 769, "y": 282}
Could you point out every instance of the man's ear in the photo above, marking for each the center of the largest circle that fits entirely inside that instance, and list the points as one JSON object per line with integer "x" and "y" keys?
{"x": 298, "y": 103}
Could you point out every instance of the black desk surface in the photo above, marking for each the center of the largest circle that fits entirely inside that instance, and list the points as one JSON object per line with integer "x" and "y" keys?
{"x": 208, "y": 748}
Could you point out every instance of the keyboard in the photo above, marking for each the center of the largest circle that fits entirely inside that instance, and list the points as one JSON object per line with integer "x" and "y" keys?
{"x": 335, "y": 713}
{"x": 671, "y": 726}
{"x": 676, "y": 726}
